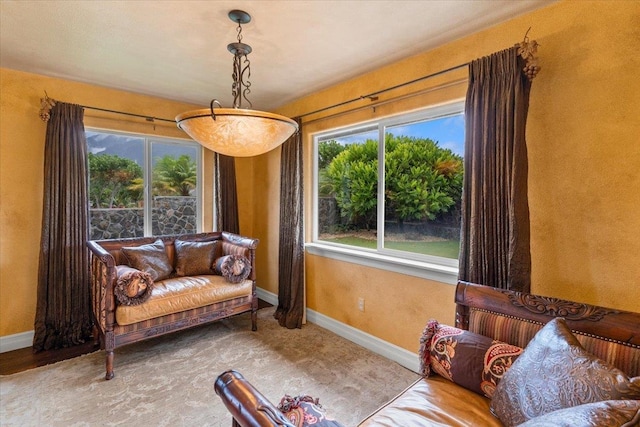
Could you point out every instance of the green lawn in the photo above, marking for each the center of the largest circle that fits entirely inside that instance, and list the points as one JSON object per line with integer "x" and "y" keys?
{"x": 447, "y": 248}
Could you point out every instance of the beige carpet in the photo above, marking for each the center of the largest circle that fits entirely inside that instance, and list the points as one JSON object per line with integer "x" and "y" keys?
{"x": 169, "y": 380}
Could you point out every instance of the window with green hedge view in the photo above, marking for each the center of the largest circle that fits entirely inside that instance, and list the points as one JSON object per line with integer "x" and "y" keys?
{"x": 411, "y": 206}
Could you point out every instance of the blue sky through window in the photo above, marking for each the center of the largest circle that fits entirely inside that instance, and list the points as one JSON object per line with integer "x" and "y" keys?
{"x": 447, "y": 131}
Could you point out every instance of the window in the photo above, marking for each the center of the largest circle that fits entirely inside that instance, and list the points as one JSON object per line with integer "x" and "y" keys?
{"x": 410, "y": 208}
{"x": 142, "y": 186}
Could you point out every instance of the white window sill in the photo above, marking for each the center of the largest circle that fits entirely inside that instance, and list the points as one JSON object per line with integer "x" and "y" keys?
{"x": 425, "y": 270}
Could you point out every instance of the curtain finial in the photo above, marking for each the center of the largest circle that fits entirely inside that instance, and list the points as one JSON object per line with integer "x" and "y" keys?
{"x": 527, "y": 50}
{"x": 46, "y": 104}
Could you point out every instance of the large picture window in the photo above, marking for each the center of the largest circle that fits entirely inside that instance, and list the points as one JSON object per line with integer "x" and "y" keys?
{"x": 393, "y": 187}
{"x": 142, "y": 186}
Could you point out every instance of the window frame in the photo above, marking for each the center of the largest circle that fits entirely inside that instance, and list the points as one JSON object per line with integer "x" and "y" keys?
{"x": 148, "y": 141}
{"x": 425, "y": 266}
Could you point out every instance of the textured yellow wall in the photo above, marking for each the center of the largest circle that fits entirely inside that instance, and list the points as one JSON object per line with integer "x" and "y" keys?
{"x": 584, "y": 180}
{"x": 584, "y": 154}
{"x": 22, "y": 135}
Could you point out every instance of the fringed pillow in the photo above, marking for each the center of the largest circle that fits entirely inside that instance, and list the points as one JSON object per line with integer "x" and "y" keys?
{"x": 133, "y": 287}
{"x": 305, "y": 411}
{"x": 473, "y": 361}
{"x": 234, "y": 268}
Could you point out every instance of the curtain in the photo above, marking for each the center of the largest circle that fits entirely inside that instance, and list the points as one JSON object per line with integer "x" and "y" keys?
{"x": 290, "y": 311}
{"x": 225, "y": 194}
{"x": 495, "y": 213}
{"x": 63, "y": 311}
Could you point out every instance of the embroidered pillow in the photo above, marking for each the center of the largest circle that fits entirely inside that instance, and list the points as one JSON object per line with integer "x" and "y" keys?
{"x": 471, "y": 360}
{"x": 151, "y": 258}
{"x": 555, "y": 372}
{"x": 234, "y": 268}
{"x": 194, "y": 258}
{"x": 133, "y": 287}
{"x": 607, "y": 413}
{"x": 304, "y": 411}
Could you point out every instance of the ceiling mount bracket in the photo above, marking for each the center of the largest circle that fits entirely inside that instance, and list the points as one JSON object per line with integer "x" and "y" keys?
{"x": 239, "y": 16}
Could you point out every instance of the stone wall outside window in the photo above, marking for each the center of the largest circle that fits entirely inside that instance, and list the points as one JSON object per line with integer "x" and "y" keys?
{"x": 171, "y": 215}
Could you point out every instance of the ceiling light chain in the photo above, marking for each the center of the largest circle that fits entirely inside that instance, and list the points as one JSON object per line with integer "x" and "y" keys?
{"x": 241, "y": 75}
{"x": 236, "y": 131}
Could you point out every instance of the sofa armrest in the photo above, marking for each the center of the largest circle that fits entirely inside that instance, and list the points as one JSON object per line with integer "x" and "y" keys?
{"x": 247, "y": 405}
{"x": 236, "y": 239}
{"x": 103, "y": 278}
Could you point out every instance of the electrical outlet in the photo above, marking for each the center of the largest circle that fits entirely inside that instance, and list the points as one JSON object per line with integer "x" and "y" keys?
{"x": 361, "y": 304}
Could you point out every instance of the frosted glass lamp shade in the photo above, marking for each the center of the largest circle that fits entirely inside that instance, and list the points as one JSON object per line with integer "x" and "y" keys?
{"x": 237, "y": 132}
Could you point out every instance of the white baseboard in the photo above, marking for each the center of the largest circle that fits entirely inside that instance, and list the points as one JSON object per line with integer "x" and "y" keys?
{"x": 404, "y": 357}
{"x": 267, "y": 296}
{"x": 391, "y": 351}
{"x": 16, "y": 341}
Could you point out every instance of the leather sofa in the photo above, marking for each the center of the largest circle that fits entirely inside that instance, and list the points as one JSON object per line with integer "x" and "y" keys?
{"x": 182, "y": 292}
{"x": 494, "y": 330}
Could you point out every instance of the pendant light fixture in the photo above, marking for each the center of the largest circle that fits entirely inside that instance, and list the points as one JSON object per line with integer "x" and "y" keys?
{"x": 237, "y": 132}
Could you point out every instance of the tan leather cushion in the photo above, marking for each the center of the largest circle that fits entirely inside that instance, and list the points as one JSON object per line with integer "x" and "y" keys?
{"x": 434, "y": 401}
{"x": 182, "y": 293}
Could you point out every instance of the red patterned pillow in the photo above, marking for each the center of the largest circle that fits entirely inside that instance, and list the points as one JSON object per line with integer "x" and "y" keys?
{"x": 305, "y": 411}
{"x": 473, "y": 361}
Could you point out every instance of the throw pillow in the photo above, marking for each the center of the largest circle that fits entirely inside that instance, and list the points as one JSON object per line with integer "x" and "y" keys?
{"x": 133, "y": 287}
{"x": 305, "y": 411}
{"x": 608, "y": 413}
{"x": 473, "y": 361}
{"x": 151, "y": 258}
{"x": 234, "y": 268}
{"x": 555, "y": 372}
{"x": 194, "y": 258}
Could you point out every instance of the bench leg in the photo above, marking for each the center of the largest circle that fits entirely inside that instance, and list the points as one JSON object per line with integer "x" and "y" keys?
{"x": 254, "y": 320}
{"x": 109, "y": 362}
{"x": 96, "y": 336}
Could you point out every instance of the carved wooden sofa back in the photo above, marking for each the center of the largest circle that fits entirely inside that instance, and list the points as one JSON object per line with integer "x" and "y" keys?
{"x": 513, "y": 317}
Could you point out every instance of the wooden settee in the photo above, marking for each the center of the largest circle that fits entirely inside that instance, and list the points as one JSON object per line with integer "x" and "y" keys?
{"x": 510, "y": 317}
{"x": 175, "y": 303}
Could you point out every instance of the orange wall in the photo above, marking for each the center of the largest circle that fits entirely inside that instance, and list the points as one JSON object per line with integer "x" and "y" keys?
{"x": 583, "y": 172}
{"x": 584, "y": 180}
{"x": 22, "y": 135}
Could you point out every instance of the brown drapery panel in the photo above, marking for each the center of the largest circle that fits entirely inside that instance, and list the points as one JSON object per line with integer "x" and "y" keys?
{"x": 63, "y": 311}
{"x": 495, "y": 212}
{"x": 225, "y": 194}
{"x": 290, "y": 311}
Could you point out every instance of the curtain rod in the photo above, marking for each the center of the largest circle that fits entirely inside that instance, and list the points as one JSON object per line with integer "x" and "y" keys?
{"x": 373, "y": 96}
{"x": 147, "y": 118}
{"x": 390, "y": 100}
{"x": 47, "y": 103}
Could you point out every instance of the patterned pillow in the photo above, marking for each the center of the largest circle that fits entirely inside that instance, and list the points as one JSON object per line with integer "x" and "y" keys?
{"x": 151, "y": 258}
{"x": 133, "y": 287}
{"x": 555, "y": 372}
{"x": 234, "y": 268}
{"x": 608, "y": 413}
{"x": 194, "y": 258}
{"x": 305, "y": 411}
{"x": 473, "y": 361}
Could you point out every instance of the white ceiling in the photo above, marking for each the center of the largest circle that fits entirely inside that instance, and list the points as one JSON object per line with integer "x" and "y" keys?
{"x": 178, "y": 49}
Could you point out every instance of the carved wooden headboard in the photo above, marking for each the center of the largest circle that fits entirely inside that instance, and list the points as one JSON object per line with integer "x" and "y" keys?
{"x": 515, "y": 317}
